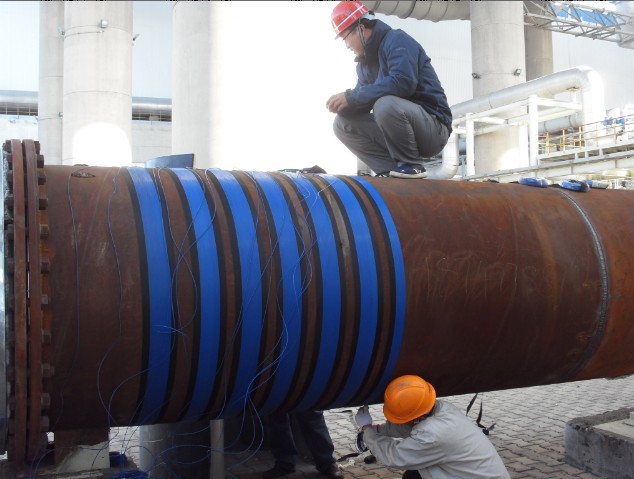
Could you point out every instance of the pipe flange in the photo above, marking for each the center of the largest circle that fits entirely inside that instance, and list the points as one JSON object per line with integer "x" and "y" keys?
{"x": 16, "y": 286}
{"x": 26, "y": 319}
{"x": 38, "y": 312}
{"x": 5, "y": 265}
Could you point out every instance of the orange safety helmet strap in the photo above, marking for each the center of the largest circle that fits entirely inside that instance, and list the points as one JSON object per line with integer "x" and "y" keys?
{"x": 407, "y": 398}
{"x": 345, "y": 14}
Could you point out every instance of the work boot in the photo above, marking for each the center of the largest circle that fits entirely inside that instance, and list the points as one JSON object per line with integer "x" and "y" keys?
{"x": 277, "y": 471}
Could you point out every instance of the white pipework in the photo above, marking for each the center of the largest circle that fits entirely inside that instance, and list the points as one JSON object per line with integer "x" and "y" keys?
{"x": 583, "y": 79}
{"x": 533, "y": 119}
{"x": 579, "y": 78}
{"x": 586, "y": 81}
{"x": 470, "y": 128}
{"x": 15, "y": 98}
{"x": 450, "y": 160}
{"x": 626, "y": 8}
{"x": 434, "y": 11}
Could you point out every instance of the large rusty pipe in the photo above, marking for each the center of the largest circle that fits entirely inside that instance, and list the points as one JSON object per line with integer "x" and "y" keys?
{"x": 140, "y": 296}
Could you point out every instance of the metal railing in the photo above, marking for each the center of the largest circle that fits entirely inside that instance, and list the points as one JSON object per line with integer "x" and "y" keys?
{"x": 609, "y": 133}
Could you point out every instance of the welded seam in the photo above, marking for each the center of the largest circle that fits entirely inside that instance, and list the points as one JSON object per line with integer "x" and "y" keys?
{"x": 598, "y": 336}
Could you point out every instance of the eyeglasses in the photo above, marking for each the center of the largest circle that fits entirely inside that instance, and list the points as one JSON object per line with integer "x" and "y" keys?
{"x": 343, "y": 39}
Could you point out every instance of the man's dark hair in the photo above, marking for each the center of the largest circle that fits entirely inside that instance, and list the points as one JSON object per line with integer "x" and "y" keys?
{"x": 368, "y": 22}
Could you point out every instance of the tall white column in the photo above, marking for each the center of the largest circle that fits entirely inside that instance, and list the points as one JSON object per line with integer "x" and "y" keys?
{"x": 500, "y": 24}
{"x": 539, "y": 52}
{"x": 50, "y": 96}
{"x": 194, "y": 60}
{"x": 97, "y": 83}
{"x": 197, "y": 128}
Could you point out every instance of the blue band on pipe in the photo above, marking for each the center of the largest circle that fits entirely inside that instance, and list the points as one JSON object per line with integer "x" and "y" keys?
{"x": 208, "y": 291}
{"x": 368, "y": 286}
{"x": 250, "y": 317}
{"x": 331, "y": 286}
{"x": 290, "y": 338}
{"x": 399, "y": 286}
{"x": 160, "y": 290}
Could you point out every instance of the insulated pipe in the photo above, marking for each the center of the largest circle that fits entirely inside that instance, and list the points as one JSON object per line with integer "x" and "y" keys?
{"x": 450, "y": 161}
{"x": 582, "y": 78}
{"x": 434, "y": 11}
{"x": 163, "y": 295}
{"x": 626, "y": 8}
{"x": 22, "y": 99}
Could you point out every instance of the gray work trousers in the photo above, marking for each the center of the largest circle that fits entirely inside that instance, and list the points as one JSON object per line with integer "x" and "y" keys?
{"x": 397, "y": 130}
{"x": 313, "y": 426}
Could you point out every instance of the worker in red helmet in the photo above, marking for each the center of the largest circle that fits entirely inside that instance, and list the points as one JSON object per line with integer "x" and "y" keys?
{"x": 397, "y": 115}
{"x": 428, "y": 437}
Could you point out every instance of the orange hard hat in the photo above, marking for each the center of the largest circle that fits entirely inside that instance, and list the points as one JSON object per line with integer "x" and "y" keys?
{"x": 407, "y": 398}
{"x": 345, "y": 14}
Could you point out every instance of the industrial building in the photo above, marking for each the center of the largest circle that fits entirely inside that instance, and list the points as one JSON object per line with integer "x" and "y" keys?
{"x": 123, "y": 312}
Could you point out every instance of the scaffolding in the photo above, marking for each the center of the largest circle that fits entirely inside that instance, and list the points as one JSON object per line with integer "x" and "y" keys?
{"x": 580, "y": 20}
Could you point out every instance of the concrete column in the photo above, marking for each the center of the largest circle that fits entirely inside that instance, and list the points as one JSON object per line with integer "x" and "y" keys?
{"x": 539, "y": 52}
{"x": 50, "y": 97}
{"x": 97, "y": 83}
{"x": 178, "y": 450}
{"x": 500, "y": 24}
{"x": 194, "y": 111}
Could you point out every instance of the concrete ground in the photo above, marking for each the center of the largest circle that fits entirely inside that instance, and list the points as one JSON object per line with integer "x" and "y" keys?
{"x": 528, "y": 433}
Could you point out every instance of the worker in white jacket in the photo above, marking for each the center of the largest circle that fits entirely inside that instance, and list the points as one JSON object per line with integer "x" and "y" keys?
{"x": 428, "y": 438}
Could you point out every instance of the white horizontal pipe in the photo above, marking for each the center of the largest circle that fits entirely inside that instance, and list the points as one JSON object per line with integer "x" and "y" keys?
{"x": 434, "y": 10}
{"x": 581, "y": 78}
{"x": 450, "y": 160}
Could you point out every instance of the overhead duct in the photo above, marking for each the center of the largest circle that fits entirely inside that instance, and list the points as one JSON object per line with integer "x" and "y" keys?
{"x": 18, "y": 99}
{"x": 434, "y": 11}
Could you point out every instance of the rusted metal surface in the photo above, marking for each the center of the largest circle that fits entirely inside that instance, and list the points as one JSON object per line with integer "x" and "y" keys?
{"x": 190, "y": 294}
{"x": 507, "y": 284}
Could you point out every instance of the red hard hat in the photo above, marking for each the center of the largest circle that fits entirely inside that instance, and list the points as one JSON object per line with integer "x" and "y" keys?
{"x": 345, "y": 14}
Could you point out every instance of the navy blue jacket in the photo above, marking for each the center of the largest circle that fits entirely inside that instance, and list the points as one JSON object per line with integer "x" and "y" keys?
{"x": 396, "y": 64}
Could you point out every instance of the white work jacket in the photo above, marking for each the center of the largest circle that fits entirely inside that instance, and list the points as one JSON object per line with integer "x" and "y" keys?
{"x": 445, "y": 445}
